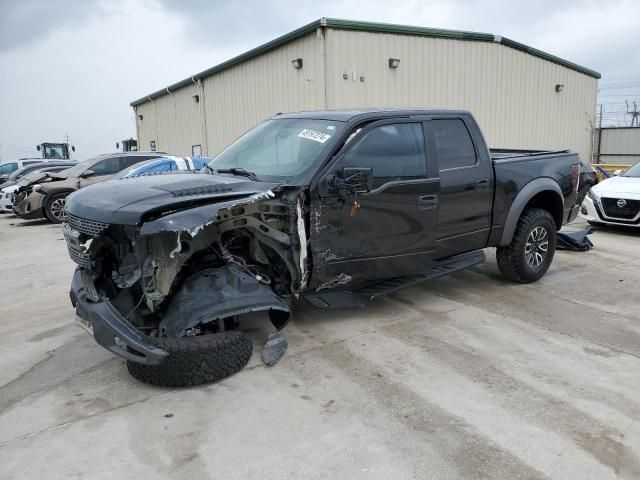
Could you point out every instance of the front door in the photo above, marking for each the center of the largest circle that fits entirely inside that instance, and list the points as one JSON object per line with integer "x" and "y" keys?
{"x": 385, "y": 232}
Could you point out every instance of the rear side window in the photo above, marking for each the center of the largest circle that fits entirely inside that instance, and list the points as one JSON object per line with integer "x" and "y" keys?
{"x": 453, "y": 144}
{"x": 393, "y": 152}
{"x": 108, "y": 166}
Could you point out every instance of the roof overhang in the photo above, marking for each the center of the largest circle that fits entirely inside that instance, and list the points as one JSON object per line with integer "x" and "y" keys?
{"x": 340, "y": 24}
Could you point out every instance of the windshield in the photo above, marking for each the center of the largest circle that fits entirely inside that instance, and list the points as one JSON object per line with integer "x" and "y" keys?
{"x": 279, "y": 147}
{"x": 20, "y": 172}
{"x": 54, "y": 151}
{"x": 634, "y": 171}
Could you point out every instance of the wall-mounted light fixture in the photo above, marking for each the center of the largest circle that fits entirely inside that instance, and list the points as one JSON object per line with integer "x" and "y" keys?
{"x": 559, "y": 87}
{"x": 297, "y": 63}
{"x": 140, "y": 117}
{"x": 196, "y": 98}
{"x": 394, "y": 62}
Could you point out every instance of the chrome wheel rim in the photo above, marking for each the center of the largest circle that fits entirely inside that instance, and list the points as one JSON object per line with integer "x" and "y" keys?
{"x": 537, "y": 246}
{"x": 57, "y": 209}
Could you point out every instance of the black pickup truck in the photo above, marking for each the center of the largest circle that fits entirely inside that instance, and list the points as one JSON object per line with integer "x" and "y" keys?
{"x": 334, "y": 207}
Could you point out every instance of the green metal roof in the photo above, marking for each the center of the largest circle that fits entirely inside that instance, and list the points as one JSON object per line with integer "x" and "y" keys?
{"x": 340, "y": 24}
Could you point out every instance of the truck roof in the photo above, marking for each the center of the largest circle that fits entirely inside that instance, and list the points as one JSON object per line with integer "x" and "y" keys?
{"x": 347, "y": 115}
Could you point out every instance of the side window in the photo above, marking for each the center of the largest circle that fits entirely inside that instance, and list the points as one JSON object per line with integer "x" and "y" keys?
{"x": 453, "y": 143}
{"x": 394, "y": 152}
{"x": 160, "y": 167}
{"x": 108, "y": 166}
{"x": 7, "y": 168}
{"x": 126, "y": 162}
{"x": 199, "y": 163}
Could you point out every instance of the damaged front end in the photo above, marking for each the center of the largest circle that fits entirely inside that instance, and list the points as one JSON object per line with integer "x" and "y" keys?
{"x": 187, "y": 269}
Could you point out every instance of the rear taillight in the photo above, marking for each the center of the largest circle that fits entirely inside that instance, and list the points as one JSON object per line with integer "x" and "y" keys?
{"x": 575, "y": 176}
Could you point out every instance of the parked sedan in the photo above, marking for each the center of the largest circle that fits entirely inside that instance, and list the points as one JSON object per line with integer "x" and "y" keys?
{"x": 164, "y": 165}
{"x": 615, "y": 201}
{"x": 46, "y": 198}
{"x": 27, "y": 176}
{"x": 7, "y": 168}
{"x": 35, "y": 167}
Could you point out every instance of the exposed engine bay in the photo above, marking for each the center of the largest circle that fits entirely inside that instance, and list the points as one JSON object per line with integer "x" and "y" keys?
{"x": 173, "y": 275}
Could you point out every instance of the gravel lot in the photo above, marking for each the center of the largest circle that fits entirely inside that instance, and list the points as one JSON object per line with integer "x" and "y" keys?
{"x": 467, "y": 377}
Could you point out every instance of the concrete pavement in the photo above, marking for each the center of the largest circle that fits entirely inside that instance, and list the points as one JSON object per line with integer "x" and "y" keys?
{"x": 468, "y": 377}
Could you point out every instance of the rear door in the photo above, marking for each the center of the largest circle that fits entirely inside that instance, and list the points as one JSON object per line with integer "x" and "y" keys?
{"x": 388, "y": 231}
{"x": 466, "y": 184}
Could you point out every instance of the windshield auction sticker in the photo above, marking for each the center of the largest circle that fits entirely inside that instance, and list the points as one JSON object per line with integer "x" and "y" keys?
{"x": 314, "y": 135}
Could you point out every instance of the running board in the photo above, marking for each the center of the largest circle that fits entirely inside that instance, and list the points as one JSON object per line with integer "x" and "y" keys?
{"x": 339, "y": 299}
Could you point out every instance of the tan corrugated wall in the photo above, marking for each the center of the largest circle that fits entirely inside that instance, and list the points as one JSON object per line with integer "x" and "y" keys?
{"x": 511, "y": 93}
{"x": 620, "y": 145}
{"x": 174, "y": 121}
{"x": 242, "y": 96}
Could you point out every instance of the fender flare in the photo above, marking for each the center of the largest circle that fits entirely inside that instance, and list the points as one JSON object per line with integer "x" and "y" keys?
{"x": 523, "y": 197}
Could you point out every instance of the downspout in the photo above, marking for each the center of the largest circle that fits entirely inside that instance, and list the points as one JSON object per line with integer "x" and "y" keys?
{"x": 155, "y": 120}
{"x": 322, "y": 34}
{"x": 203, "y": 112}
{"x": 135, "y": 116}
{"x": 175, "y": 113}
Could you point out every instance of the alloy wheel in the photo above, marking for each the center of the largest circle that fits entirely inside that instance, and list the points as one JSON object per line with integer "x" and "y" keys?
{"x": 535, "y": 250}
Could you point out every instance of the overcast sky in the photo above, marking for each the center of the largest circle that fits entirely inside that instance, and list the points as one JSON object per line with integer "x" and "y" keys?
{"x": 72, "y": 66}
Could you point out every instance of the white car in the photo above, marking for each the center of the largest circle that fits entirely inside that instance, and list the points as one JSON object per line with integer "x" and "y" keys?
{"x": 6, "y": 204}
{"x": 615, "y": 201}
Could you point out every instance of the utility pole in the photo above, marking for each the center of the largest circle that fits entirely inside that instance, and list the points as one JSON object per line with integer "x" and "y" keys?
{"x": 635, "y": 114}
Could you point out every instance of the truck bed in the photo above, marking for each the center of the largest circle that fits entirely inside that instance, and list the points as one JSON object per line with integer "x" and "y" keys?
{"x": 506, "y": 153}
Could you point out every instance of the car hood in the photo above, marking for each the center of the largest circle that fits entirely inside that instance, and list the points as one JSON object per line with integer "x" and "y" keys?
{"x": 35, "y": 177}
{"x": 6, "y": 184}
{"x": 126, "y": 201}
{"x": 629, "y": 187}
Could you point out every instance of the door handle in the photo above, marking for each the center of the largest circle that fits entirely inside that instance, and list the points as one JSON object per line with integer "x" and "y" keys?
{"x": 482, "y": 183}
{"x": 427, "y": 202}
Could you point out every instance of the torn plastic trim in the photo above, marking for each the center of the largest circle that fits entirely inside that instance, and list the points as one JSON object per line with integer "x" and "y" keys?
{"x": 302, "y": 238}
{"x": 213, "y": 294}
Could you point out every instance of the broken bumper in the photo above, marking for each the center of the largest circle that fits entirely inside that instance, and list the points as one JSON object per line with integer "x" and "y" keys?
{"x": 110, "y": 329}
{"x": 28, "y": 206}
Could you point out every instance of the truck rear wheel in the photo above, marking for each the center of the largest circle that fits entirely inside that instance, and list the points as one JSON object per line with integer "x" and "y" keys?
{"x": 195, "y": 360}
{"x": 527, "y": 258}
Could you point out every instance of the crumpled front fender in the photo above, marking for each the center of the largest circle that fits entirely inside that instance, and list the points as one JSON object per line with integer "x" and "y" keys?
{"x": 217, "y": 293}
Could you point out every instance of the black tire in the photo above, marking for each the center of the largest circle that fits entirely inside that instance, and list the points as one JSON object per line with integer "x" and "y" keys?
{"x": 195, "y": 360}
{"x": 54, "y": 209}
{"x": 513, "y": 260}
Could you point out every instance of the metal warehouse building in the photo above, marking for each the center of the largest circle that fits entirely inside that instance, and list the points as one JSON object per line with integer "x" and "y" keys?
{"x": 521, "y": 97}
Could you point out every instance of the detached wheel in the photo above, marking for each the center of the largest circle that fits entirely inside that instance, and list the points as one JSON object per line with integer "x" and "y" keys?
{"x": 527, "y": 258}
{"x": 195, "y": 360}
{"x": 54, "y": 209}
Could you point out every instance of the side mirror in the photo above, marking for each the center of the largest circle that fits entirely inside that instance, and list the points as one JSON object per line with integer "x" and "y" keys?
{"x": 73, "y": 148}
{"x": 352, "y": 180}
{"x": 87, "y": 173}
